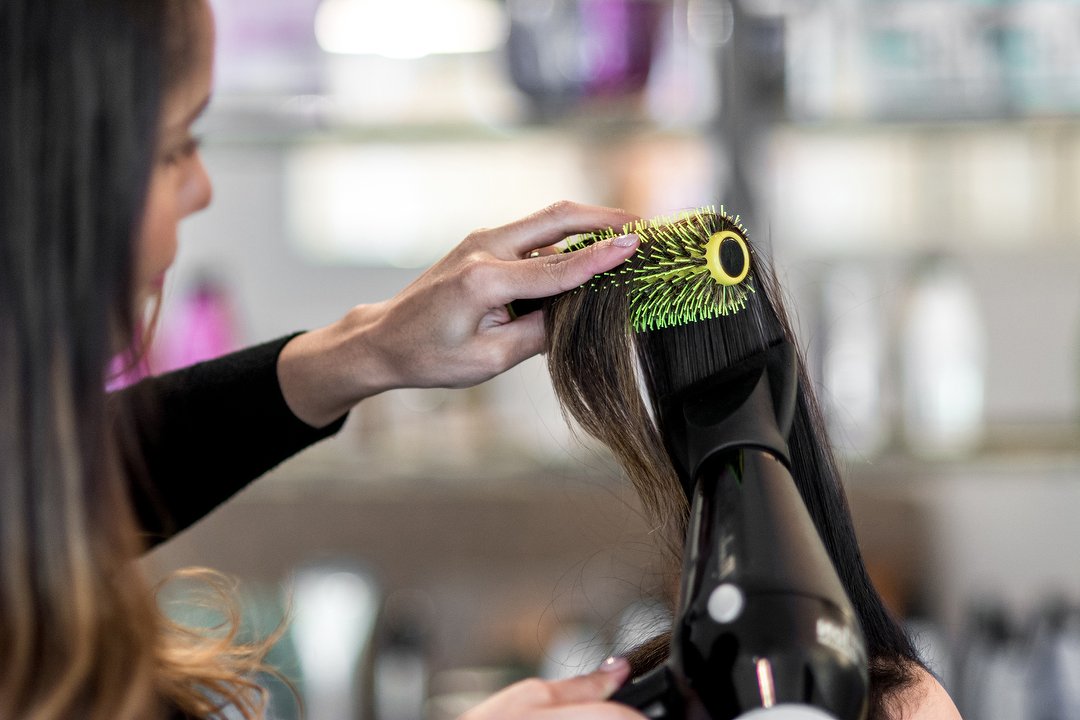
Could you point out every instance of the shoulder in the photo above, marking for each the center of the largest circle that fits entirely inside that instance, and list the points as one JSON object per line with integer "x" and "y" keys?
{"x": 924, "y": 699}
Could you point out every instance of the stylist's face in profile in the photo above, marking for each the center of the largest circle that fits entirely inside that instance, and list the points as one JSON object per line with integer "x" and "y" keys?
{"x": 179, "y": 184}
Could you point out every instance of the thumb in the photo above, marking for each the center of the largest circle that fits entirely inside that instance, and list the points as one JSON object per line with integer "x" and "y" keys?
{"x": 597, "y": 685}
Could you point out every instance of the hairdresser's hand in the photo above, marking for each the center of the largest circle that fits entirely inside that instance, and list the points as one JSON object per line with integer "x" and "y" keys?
{"x": 580, "y": 698}
{"x": 450, "y": 327}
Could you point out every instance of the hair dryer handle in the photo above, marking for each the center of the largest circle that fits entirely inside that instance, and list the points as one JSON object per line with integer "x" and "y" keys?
{"x": 652, "y": 694}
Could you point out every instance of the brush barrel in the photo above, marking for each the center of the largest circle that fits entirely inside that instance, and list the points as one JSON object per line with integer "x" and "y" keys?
{"x": 764, "y": 621}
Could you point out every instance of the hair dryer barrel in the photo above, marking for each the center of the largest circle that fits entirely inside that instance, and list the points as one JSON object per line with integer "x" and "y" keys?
{"x": 764, "y": 621}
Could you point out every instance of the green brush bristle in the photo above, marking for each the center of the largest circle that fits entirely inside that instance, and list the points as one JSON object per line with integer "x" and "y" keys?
{"x": 670, "y": 283}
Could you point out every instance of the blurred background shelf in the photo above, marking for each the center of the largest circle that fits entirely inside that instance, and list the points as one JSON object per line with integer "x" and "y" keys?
{"x": 885, "y": 154}
{"x": 510, "y": 560}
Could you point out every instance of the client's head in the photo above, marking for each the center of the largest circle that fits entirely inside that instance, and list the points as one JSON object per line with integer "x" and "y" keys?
{"x": 613, "y": 362}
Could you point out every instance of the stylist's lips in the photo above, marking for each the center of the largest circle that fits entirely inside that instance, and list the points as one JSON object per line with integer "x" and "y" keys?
{"x": 158, "y": 282}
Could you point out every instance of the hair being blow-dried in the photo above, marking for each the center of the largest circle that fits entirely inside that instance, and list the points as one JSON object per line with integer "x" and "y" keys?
{"x": 81, "y": 90}
{"x": 594, "y": 359}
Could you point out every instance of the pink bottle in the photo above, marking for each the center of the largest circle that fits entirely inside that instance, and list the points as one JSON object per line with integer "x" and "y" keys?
{"x": 203, "y": 328}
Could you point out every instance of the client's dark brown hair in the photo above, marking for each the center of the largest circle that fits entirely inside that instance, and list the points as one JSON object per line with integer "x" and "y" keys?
{"x": 608, "y": 378}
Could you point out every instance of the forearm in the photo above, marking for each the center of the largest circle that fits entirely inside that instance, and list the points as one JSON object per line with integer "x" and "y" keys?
{"x": 325, "y": 372}
{"x": 192, "y": 438}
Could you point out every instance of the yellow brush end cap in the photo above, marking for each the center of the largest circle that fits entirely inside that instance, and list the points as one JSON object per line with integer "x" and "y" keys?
{"x": 725, "y": 266}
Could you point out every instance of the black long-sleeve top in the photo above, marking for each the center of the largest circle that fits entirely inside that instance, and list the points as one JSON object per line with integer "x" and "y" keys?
{"x": 192, "y": 438}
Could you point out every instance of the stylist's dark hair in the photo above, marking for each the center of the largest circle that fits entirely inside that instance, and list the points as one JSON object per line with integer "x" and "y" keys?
{"x": 595, "y": 360}
{"x": 81, "y": 90}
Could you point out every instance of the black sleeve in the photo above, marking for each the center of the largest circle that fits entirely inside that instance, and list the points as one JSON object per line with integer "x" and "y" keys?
{"x": 191, "y": 439}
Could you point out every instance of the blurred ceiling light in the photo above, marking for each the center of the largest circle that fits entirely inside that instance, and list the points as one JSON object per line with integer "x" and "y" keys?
{"x": 410, "y": 28}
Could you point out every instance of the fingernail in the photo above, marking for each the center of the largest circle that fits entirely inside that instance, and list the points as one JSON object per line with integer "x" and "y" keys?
{"x": 614, "y": 665}
{"x": 625, "y": 241}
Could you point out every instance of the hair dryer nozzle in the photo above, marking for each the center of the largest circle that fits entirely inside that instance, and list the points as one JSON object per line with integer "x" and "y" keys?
{"x": 750, "y": 404}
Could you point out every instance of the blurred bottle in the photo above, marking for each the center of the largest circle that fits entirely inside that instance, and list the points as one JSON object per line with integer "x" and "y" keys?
{"x": 334, "y": 614}
{"x": 619, "y": 37}
{"x": 683, "y": 85}
{"x": 203, "y": 327}
{"x": 560, "y": 52}
{"x": 266, "y": 47}
{"x": 542, "y": 53}
{"x": 989, "y": 671}
{"x": 1039, "y": 46}
{"x": 853, "y": 361}
{"x": 934, "y": 648}
{"x": 401, "y": 663}
{"x": 942, "y": 362}
{"x": 933, "y": 60}
{"x": 1053, "y": 678}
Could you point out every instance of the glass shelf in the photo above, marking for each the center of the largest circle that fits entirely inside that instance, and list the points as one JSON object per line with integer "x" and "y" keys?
{"x": 289, "y": 120}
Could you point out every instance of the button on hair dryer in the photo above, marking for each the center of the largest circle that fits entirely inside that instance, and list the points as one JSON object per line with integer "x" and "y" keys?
{"x": 764, "y": 629}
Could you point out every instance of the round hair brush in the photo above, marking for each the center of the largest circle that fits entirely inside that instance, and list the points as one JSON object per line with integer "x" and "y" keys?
{"x": 690, "y": 266}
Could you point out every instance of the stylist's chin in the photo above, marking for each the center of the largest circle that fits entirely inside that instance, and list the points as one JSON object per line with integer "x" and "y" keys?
{"x": 155, "y": 253}
{"x": 149, "y": 284}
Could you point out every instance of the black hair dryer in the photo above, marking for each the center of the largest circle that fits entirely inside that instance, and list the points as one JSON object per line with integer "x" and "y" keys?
{"x": 764, "y": 629}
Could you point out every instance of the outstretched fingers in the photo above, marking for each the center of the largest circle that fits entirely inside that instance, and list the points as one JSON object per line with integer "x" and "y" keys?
{"x": 597, "y": 685}
{"x": 549, "y": 275}
{"x": 549, "y": 226}
{"x": 579, "y": 698}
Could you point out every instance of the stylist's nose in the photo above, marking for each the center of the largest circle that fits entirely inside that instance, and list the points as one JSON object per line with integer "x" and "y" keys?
{"x": 198, "y": 191}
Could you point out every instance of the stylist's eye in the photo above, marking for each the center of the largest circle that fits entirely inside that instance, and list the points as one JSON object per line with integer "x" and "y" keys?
{"x": 183, "y": 151}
